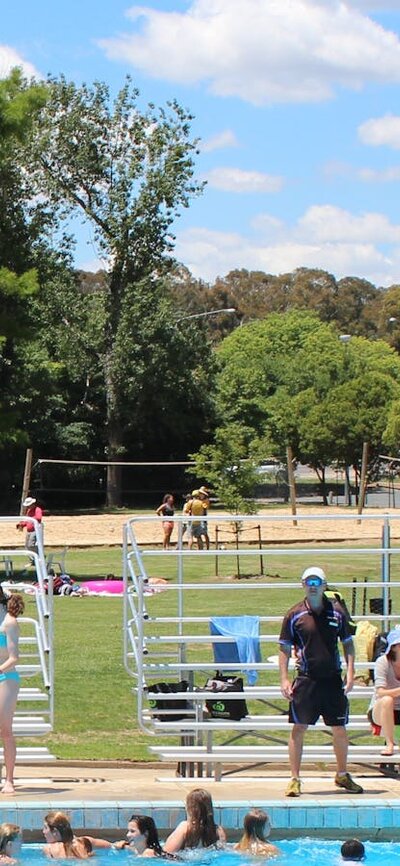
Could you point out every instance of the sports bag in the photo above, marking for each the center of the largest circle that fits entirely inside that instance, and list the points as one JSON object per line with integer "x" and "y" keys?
{"x": 178, "y": 705}
{"x": 221, "y": 707}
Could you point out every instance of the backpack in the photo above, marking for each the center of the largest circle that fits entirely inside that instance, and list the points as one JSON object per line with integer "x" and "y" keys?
{"x": 334, "y": 595}
{"x": 380, "y": 644}
{"x": 364, "y": 640}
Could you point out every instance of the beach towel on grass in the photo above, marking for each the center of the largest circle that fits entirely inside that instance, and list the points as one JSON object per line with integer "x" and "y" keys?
{"x": 245, "y": 631}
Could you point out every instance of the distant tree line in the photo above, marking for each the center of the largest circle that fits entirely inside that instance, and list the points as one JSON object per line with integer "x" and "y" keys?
{"x": 106, "y": 366}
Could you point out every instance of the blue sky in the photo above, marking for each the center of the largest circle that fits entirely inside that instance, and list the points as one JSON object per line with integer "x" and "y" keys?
{"x": 296, "y": 103}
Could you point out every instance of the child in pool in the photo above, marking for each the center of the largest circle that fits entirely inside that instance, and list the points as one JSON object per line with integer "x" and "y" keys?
{"x": 352, "y": 849}
{"x": 10, "y": 843}
{"x": 62, "y": 842}
{"x": 142, "y": 837}
{"x": 257, "y": 827}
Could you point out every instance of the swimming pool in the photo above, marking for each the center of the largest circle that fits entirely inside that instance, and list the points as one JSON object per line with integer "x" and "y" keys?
{"x": 295, "y": 852}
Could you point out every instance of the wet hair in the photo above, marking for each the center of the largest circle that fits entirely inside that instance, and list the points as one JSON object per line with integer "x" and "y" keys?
{"x": 202, "y": 828}
{"x": 58, "y": 821}
{"x": 148, "y": 829}
{"x": 8, "y": 832}
{"x": 15, "y": 604}
{"x": 352, "y": 849}
{"x": 253, "y": 825}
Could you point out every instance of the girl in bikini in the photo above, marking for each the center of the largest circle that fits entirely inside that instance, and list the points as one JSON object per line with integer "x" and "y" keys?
{"x": 10, "y": 607}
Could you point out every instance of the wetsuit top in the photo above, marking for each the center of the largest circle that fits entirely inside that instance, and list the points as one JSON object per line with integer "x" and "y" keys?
{"x": 315, "y": 637}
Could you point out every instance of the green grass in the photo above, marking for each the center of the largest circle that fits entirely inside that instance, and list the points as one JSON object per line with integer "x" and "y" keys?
{"x": 95, "y": 713}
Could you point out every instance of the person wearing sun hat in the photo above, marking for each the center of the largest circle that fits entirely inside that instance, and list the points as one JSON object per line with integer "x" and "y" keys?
{"x": 384, "y": 710}
{"x": 33, "y": 510}
{"x": 313, "y": 627}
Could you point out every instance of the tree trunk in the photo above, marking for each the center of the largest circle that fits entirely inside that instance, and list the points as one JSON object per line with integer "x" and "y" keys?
{"x": 115, "y": 443}
{"x": 114, "y": 475}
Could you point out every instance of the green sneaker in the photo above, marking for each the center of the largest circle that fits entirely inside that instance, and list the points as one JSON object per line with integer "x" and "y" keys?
{"x": 345, "y": 781}
{"x": 293, "y": 789}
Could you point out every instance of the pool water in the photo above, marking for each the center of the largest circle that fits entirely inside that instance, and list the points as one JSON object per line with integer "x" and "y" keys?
{"x": 295, "y": 852}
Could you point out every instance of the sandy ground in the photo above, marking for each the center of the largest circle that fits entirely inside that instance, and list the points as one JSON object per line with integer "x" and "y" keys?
{"x": 328, "y": 524}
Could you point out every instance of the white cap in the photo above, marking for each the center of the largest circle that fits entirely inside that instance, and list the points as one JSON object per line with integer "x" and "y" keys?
{"x": 313, "y": 571}
{"x": 28, "y": 501}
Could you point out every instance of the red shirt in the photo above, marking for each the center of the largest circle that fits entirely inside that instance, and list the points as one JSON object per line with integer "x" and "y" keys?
{"x": 33, "y": 511}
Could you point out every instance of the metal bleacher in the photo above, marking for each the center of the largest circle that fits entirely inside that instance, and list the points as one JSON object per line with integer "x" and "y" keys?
{"x": 34, "y": 716}
{"x": 172, "y": 643}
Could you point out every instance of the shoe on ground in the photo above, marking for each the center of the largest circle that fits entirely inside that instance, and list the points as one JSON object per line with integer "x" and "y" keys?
{"x": 293, "y": 789}
{"x": 345, "y": 781}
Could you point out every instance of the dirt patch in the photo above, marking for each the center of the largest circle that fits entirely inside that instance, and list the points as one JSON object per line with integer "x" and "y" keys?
{"x": 329, "y": 524}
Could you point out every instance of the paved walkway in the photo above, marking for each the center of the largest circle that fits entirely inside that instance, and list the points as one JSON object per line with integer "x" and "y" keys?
{"x": 95, "y": 782}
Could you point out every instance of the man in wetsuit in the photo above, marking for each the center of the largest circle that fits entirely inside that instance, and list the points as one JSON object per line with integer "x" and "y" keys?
{"x": 313, "y": 627}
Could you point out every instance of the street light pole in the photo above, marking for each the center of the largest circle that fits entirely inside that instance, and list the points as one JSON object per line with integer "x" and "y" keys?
{"x": 345, "y": 340}
{"x": 207, "y": 313}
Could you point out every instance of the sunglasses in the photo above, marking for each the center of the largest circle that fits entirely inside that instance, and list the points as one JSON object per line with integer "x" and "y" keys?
{"x": 313, "y": 581}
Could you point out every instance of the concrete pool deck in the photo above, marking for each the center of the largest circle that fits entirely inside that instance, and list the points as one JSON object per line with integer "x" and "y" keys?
{"x": 101, "y": 799}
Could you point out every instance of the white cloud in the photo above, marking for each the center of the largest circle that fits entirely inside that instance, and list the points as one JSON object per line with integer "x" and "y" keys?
{"x": 326, "y": 237}
{"x": 381, "y": 131}
{"x": 384, "y": 175}
{"x": 9, "y": 58}
{"x": 329, "y": 224}
{"x": 223, "y": 139}
{"x": 261, "y": 52}
{"x": 237, "y": 180}
{"x": 390, "y": 174}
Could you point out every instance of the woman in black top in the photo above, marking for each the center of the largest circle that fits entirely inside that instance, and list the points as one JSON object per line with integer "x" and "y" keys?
{"x": 166, "y": 510}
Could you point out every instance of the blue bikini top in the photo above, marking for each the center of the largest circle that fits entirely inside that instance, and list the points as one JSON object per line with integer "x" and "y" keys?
{"x": 3, "y": 639}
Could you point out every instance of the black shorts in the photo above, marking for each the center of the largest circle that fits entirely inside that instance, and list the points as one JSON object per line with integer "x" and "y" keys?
{"x": 396, "y": 714}
{"x": 314, "y": 698}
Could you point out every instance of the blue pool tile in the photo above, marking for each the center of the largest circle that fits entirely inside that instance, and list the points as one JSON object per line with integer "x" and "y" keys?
{"x": 384, "y": 816}
{"x": 297, "y": 817}
{"x": 32, "y": 819}
{"x": 9, "y": 816}
{"x": 366, "y": 817}
{"x": 314, "y": 818}
{"x": 281, "y": 818}
{"x": 160, "y": 816}
{"x": 93, "y": 818}
{"x": 230, "y": 819}
{"x": 332, "y": 817}
{"x": 347, "y": 818}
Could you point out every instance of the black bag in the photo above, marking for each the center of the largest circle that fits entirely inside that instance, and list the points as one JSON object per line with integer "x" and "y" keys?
{"x": 380, "y": 646}
{"x": 178, "y": 705}
{"x": 221, "y": 708}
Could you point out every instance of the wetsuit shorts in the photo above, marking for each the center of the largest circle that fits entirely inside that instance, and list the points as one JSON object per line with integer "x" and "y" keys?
{"x": 314, "y": 698}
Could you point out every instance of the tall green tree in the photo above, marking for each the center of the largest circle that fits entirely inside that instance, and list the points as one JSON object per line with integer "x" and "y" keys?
{"x": 291, "y": 381}
{"x": 19, "y": 104}
{"x": 128, "y": 171}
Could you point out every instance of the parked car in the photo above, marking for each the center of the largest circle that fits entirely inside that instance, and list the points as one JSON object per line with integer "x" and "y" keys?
{"x": 271, "y": 467}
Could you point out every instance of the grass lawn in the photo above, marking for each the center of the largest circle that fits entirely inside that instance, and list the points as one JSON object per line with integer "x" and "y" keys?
{"x": 95, "y": 714}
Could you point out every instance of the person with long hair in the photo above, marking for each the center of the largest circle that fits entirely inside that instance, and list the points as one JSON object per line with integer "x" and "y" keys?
{"x": 10, "y": 843}
{"x": 11, "y": 606}
{"x": 257, "y": 827}
{"x": 199, "y": 830}
{"x": 167, "y": 510}
{"x": 62, "y": 842}
{"x": 141, "y": 837}
{"x": 384, "y": 709}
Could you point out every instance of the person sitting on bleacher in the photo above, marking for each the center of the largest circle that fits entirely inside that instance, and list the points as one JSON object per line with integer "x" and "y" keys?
{"x": 384, "y": 710}
{"x": 313, "y": 627}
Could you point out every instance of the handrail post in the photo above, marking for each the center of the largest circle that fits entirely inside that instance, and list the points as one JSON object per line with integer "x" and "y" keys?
{"x": 386, "y": 572}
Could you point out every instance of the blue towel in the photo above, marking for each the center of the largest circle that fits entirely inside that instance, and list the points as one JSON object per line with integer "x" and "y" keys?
{"x": 245, "y": 631}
